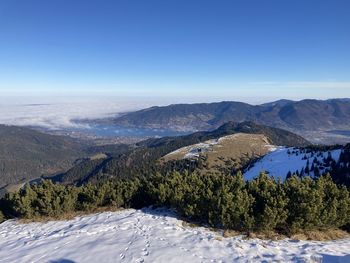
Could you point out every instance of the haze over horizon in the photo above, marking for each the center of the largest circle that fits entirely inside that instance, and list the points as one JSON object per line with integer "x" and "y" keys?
{"x": 93, "y": 59}
{"x": 175, "y": 51}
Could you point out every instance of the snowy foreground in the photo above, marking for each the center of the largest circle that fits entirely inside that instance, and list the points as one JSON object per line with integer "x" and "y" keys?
{"x": 149, "y": 236}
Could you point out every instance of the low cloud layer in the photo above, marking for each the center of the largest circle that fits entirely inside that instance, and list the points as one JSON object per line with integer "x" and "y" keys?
{"x": 60, "y": 113}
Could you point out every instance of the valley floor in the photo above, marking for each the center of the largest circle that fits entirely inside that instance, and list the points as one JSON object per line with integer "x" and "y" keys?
{"x": 149, "y": 236}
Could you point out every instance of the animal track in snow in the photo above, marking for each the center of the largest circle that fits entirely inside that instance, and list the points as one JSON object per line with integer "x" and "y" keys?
{"x": 147, "y": 235}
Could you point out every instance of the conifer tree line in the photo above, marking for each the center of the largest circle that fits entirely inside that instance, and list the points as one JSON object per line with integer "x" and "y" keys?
{"x": 222, "y": 201}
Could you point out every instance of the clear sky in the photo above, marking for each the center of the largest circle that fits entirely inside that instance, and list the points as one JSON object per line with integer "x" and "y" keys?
{"x": 185, "y": 48}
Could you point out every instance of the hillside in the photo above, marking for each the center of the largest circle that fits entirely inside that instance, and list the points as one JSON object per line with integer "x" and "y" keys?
{"x": 226, "y": 154}
{"x": 283, "y": 161}
{"x": 275, "y": 135}
{"x": 143, "y": 158}
{"x": 26, "y": 154}
{"x": 312, "y": 161}
{"x": 296, "y": 116}
{"x": 189, "y": 117}
{"x": 150, "y": 236}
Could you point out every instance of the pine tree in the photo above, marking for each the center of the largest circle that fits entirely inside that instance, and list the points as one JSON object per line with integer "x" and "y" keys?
{"x": 307, "y": 170}
{"x": 316, "y": 172}
{"x": 312, "y": 167}
{"x": 304, "y": 203}
{"x": 269, "y": 207}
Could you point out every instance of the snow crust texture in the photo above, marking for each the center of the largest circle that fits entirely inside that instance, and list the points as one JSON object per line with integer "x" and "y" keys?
{"x": 149, "y": 236}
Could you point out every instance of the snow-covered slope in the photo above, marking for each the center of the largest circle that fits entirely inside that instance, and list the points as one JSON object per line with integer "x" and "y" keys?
{"x": 149, "y": 236}
{"x": 282, "y": 160}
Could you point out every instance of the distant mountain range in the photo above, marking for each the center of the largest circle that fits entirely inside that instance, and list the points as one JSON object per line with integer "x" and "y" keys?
{"x": 27, "y": 154}
{"x": 296, "y": 116}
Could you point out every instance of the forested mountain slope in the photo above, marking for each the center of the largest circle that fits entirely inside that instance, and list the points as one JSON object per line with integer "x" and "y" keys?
{"x": 143, "y": 159}
{"x": 26, "y": 154}
{"x": 292, "y": 115}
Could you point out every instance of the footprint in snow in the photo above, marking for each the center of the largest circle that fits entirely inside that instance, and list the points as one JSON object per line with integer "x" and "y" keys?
{"x": 122, "y": 256}
{"x": 184, "y": 249}
{"x": 145, "y": 251}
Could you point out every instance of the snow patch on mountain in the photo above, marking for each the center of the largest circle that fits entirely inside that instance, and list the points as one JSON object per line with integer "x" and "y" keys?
{"x": 194, "y": 151}
{"x": 149, "y": 236}
{"x": 282, "y": 160}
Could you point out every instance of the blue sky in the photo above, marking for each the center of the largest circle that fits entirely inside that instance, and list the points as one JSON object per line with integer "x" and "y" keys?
{"x": 206, "y": 49}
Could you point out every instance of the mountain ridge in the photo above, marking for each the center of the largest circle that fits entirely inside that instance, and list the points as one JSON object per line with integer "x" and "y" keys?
{"x": 142, "y": 160}
{"x": 296, "y": 116}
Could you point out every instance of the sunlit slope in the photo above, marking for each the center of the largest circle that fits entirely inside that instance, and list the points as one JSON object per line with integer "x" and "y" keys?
{"x": 228, "y": 151}
{"x": 283, "y": 162}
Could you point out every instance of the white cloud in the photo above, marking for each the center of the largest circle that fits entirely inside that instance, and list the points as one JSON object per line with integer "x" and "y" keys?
{"x": 57, "y": 113}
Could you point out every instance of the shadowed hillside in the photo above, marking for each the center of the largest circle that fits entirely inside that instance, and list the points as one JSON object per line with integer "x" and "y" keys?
{"x": 26, "y": 154}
